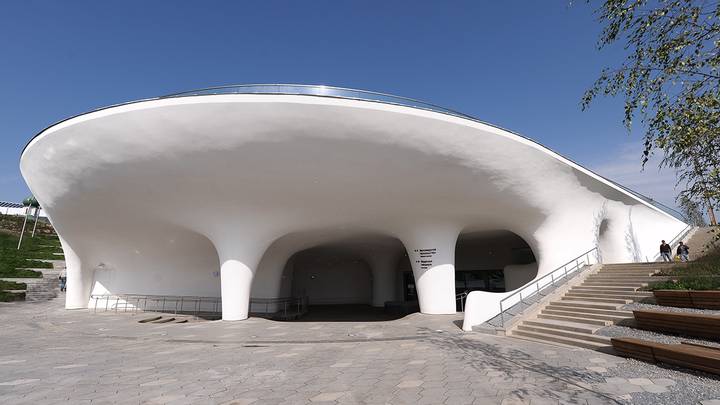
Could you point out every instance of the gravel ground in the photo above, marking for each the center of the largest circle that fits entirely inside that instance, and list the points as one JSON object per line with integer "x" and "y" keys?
{"x": 690, "y": 386}
{"x": 654, "y": 307}
{"x": 624, "y": 331}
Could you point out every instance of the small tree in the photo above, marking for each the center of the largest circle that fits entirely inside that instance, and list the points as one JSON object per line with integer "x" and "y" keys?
{"x": 670, "y": 80}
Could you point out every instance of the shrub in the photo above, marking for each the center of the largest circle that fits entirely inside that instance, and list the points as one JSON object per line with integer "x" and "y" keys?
{"x": 687, "y": 283}
{"x": 11, "y": 285}
{"x": 7, "y": 297}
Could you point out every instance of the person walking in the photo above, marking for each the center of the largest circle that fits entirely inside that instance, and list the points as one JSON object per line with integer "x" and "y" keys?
{"x": 665, "y": 251}
{"x": 683, "y": 251}
{"x": 63, "y": 281}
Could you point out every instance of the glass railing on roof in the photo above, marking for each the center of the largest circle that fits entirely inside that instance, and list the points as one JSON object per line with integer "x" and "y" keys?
{"x": 317, "y": 90}
{"x": 669, "y": 210}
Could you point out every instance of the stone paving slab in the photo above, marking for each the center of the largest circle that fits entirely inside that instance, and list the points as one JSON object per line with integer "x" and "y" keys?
{"x": 49, "y": 355}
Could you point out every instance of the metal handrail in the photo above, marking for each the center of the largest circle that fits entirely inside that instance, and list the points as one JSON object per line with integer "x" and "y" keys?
{"x": 462, "y": 297}
{"x": 563, "y": 269}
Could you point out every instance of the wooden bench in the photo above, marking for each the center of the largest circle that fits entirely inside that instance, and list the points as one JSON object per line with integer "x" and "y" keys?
{"x": 693, "y": 356}
{"x": 681, "y": 323}
{"x": 688, "y": 298}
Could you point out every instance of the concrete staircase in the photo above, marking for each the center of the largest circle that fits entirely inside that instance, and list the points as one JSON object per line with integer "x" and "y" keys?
{"x": 45, "y": 288}
{"x": 699, "y": 240}
{"x": 573, "y": 318}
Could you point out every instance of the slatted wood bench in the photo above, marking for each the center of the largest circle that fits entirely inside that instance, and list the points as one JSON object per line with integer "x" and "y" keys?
{"x": 682, "y": 323}
{"x": 688, "y": 298}
{"x": 697, "y": 357}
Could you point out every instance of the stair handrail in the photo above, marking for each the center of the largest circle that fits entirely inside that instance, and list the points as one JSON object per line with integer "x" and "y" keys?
{"x": 673, "y": 242}
{"x": 559, "y": 273}
{"x": 461, "y": 297}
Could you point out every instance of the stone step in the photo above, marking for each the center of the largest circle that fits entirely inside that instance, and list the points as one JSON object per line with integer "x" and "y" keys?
{"x": 592, "y": 283}
{"x": 623, "y": 278}
{"x": 564, "y": 333}
{"x": 584, "y": 316}
{"x": 603, "y": 292}
{"x": 603, "y": 288}
{"x": 575, "y": 319}
{"x": 592, "y": 299}
{"x": 643, "y": 279}
{"x": 629, "y": 270}
{"x": 621, "y": 269}
{"x": 564, "y": 325}
{"x": 544, "y": 337}
{"x": 586, "y": 304}
{"x": 612, "y": 294}
{"x": 627, "y": 314}
{"x": 640, "y": 264}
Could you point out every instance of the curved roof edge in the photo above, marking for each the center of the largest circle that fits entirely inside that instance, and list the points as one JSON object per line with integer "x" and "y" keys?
{"x": 376, "y": 97}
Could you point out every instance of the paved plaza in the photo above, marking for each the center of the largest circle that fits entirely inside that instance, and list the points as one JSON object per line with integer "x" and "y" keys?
{"x": 50, "y": 355}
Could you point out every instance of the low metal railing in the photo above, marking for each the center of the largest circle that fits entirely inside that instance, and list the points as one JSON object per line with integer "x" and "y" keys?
{"x": 282, "y": 306}
{"x": 462, "y": 297}
{"x": 195, "y": 305}
{"x": 535, "y": 287}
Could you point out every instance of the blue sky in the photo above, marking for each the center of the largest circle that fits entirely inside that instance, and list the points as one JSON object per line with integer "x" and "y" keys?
{"x": 522, "y": 65}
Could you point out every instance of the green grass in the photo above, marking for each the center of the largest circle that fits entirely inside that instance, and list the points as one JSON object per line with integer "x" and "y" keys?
{"x": 708, "y": 265}
{"x": 13, "y": 262}
{"x": 701, "y": 274}
{"x": 688, "y": 283}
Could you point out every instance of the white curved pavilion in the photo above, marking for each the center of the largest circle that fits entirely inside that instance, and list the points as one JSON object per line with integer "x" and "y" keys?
{"x": 273, "y": 191}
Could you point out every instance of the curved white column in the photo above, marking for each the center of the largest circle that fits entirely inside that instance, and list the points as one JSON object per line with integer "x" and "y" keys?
{"x": 236, "y": 277}
{"x": 432, "y": 255}
{"x": 238, "y": 262}
{"x": 79, "y": 279}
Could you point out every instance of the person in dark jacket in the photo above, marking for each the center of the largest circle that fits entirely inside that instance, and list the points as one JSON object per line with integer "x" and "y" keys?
{"x": 683, "y": 251}
{"x": 665, "y": 251}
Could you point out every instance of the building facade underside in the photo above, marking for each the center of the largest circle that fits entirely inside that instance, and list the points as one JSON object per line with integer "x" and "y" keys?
{"x": 337, "y": 198}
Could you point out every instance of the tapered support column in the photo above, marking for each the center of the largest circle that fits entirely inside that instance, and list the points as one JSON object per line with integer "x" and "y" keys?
{"x": 236, "y": 277}
{"x": 431, "y": 250}
{"x": 238, "y": 262}
{"x": 79, "y": 279}
{"x": 384, "y": 272}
